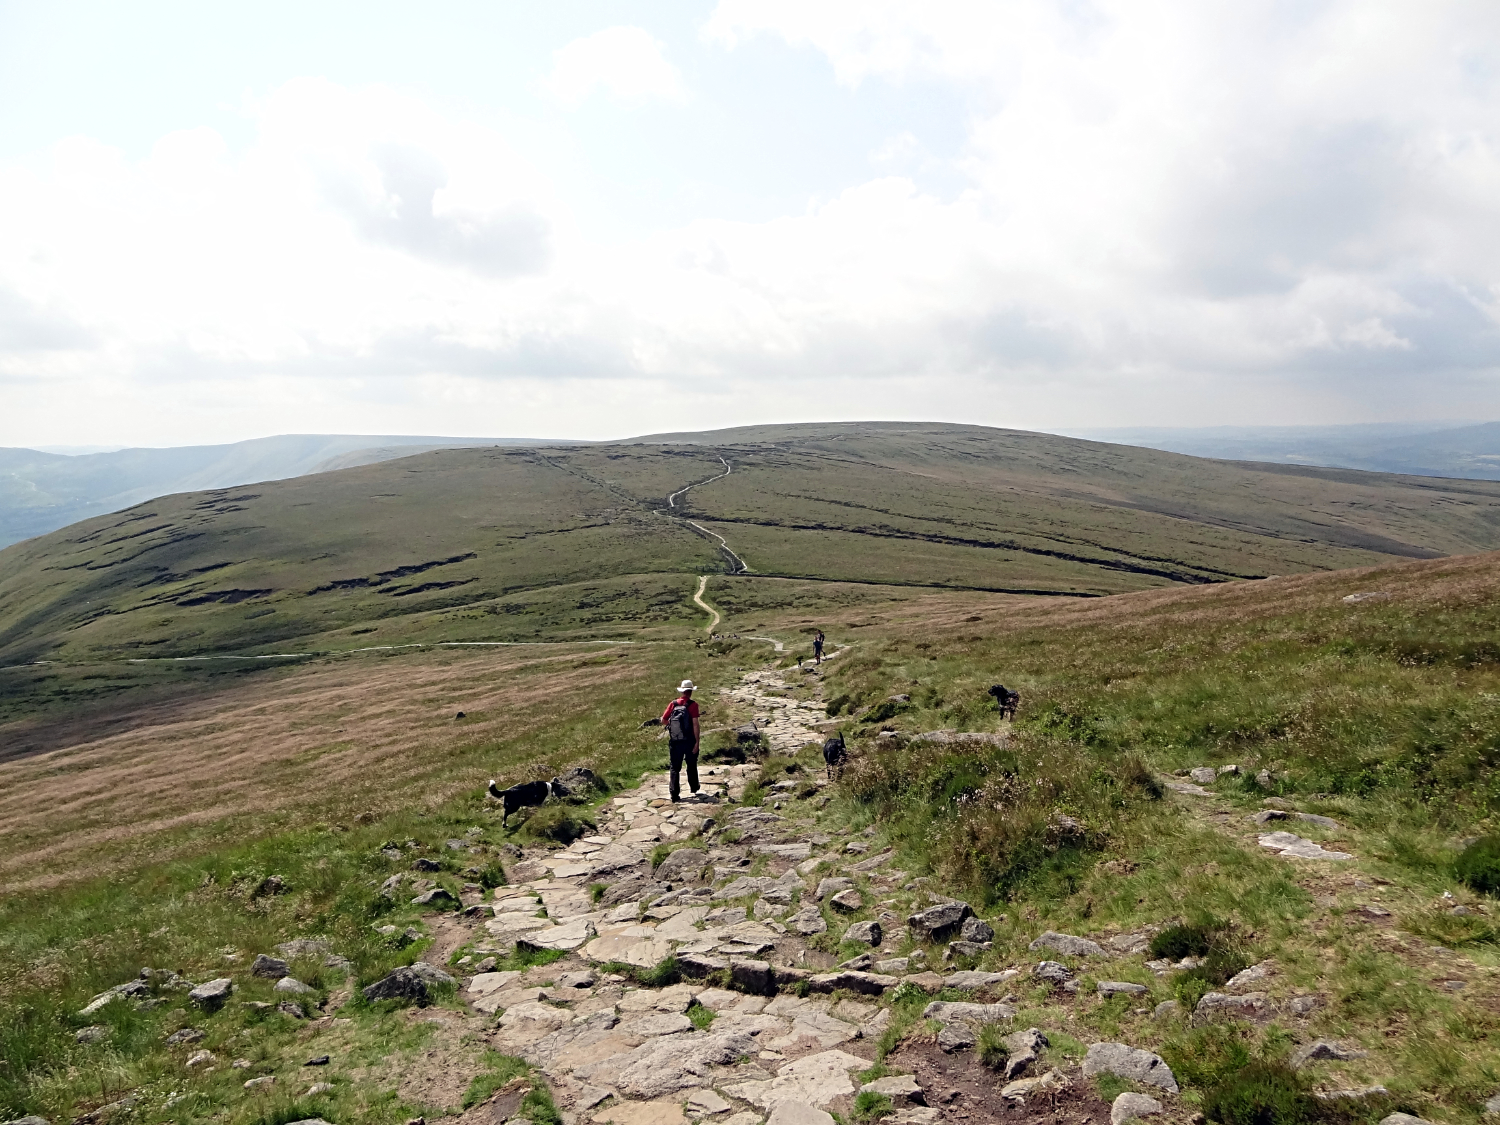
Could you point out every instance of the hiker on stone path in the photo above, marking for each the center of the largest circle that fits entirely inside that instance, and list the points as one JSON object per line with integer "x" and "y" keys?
{"x": 683, "y": 730}
{"x": 818, "y": 647}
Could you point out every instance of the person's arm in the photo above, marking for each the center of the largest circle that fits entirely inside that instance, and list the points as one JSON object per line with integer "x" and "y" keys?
{"x": 697, "y": 732}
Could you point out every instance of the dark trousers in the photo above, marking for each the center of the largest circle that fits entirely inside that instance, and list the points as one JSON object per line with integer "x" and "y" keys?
{"x": 683, "y": 752}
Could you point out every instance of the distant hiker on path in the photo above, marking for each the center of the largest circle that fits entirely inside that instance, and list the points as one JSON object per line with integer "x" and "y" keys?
{"x": 818, "y": 647}
{"x": 683, "y": 731}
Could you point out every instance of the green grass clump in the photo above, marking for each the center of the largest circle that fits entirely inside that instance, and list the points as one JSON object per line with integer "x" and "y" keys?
{"x": 500, "y": 1071}
{"x": 660, "y": 975}
{"x": 1193, "y": 939}
{"x": 702, "y": 1017}
{"x": 993, "y": 1052}
{"x": 1205, "y": 1057}
{"x": 870, "y": 1106}
{"x": 1262, "y": 1093}
{"x": 558, "y": 824}
{"x": 1478, "y": 865}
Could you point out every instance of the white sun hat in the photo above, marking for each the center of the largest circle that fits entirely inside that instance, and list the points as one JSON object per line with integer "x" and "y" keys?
{"x": 687, "y": 685}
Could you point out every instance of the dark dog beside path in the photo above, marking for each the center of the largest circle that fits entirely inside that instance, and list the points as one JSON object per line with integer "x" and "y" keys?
{"x": 520, "y": 796}
{"x": 834, "y": 754}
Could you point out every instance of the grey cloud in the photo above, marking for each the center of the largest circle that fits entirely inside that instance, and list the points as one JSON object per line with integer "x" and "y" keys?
{"x": 510, "y": 244}
{"x": 1284, "y": 203}
{"x": 26, "y": 327}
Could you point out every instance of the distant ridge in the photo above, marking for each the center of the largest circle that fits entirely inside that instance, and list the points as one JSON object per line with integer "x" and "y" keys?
{"x": 40, "y": 492}
{"x": 1428, "y": 449}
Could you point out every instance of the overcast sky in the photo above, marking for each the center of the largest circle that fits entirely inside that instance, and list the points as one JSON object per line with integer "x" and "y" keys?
{"x": 598, "y": 219}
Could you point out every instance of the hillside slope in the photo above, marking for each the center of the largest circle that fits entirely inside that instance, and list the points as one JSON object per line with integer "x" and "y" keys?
{"x": 470, "y": 544}
{"x": 40, "y": 492}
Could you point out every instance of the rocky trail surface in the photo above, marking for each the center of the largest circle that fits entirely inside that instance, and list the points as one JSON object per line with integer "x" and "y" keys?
{"x": 760, "y": 1020}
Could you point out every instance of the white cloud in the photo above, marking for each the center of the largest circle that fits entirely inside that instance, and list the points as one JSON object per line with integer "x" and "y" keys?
{"x": 1168, "y": 213}
{"x": 626, "y": 61}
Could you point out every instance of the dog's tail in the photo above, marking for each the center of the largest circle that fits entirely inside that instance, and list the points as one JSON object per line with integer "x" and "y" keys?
{"x": 493, "y": 790}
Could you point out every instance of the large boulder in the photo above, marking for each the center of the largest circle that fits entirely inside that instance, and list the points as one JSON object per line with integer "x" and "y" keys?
{"x": 940, "y": 922}
{"x": 869, "y": 933}
{"x": 212, "y": 995}
{"x": 976, "y": 930}
{"x": 273, "y": 968}
{"x": 410, "y": 984}
{"x": 1129, "y": 1063}
{"x": 1023, "y": 1048}
{"x": 577, "y": 783}
{"x": 685, "y": 865}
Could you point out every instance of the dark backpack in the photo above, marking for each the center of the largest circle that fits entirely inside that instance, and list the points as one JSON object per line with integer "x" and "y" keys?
{"x": 680, "y": 722}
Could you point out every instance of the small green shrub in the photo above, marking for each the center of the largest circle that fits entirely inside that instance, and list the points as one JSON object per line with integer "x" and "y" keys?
{"x": 559, "y": 824}
{"x": 885, "y": 709}
{"x": 754, "y": 796}
{"x": 1111, "y": 1086}
{"x": 1478, "y": 865}
{"x": 993, "y": 1052}
{"x": 1204, "y": 1057}
{"x": 1262, "y": 1093}
{"x": 870, "y": 1106}
{"x": 1177, "y": 942}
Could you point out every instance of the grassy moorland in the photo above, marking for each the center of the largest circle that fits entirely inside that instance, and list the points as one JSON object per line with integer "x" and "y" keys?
{"x": 492, "y": 543}
{"x": 150, "y": 803}
{"x": 1378, "y": 714}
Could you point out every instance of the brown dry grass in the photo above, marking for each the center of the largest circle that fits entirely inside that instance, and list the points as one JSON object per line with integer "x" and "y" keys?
{"x": 1458, "y": 580}
{"x": 326, "y": 741}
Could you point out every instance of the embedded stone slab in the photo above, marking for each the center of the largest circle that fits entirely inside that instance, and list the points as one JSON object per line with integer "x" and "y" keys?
{"x": 568, "y": 936}
{"x": 870, "y": 984}
{"x": 535, "y": 1015}
{"x": 1252, "y": 1005}
{"x": 1068, "y": 945}
{"x": 1286, "y": 844}
{"x": 643, "y": 953}
{"x": 1127, "y": 1107}
{"x": 948, "y": 1011}
{"x": 969, "y": 980}
{"x": 658, "y": 1023}
{"x": 667, "y": 1064}
{"x": 814, "y": 1080}
{"x": 1129, "y": 1063}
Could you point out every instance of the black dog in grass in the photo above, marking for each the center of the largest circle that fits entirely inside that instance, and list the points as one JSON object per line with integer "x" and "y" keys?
{"x": 1008, "y": 700}
{"x": 834, "y": 754}
{"x": 520, "y": 796}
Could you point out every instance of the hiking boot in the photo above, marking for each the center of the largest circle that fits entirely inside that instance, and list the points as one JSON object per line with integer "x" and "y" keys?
{"x": 676, "y": 800}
